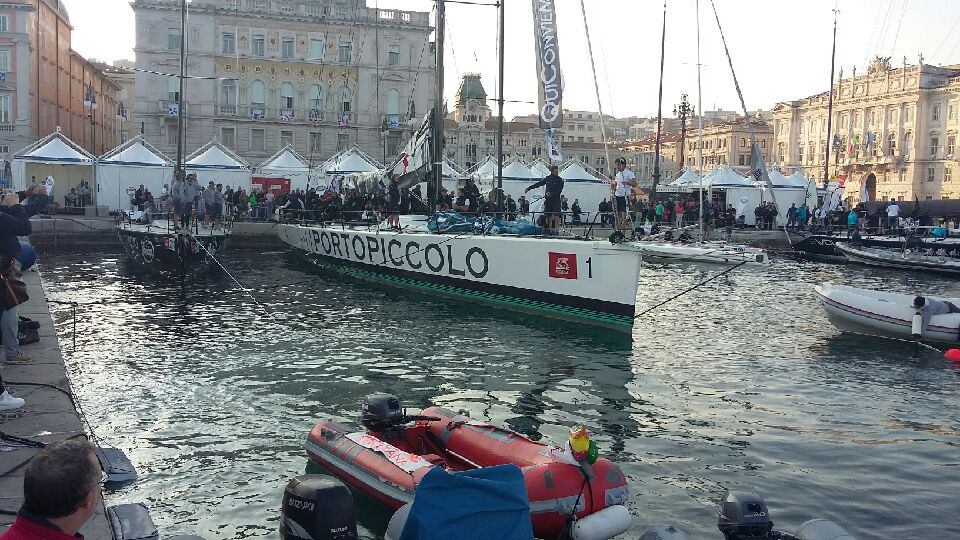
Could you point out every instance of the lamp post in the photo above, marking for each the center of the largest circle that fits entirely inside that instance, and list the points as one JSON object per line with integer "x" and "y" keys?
{"x": 90, "y": 103}
{"x": 683, "y": 110}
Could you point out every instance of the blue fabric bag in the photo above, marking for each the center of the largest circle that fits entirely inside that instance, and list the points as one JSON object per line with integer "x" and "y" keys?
{"x": 485, "y": 503}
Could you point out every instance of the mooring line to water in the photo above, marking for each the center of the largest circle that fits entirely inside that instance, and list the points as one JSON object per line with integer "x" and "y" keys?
{"x": 685, "y": 291}
{"x": 235, "y": 280}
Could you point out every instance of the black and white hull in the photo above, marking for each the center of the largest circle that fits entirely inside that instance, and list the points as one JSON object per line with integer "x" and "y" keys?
{"x": 896, "y": 258}
{"x": 159, "y": 249}
{"x": 592, "y": 282}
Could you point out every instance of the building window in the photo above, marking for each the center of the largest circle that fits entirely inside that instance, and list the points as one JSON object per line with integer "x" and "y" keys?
{"x": 393, "y": 56}
{"x": 743, "y": 143}
{"x": 5, "y": 117}
{"x": 286, "y": 139}
{"x": 228, "y": 137}
{"x": 951, "y": 144}
{"x": 393, "y": 145}
{"x": 343, "y": 141}
{"x": 315, "y": 95}
{"x": 316, "y": 49}
{"x": 345, "y": 52}
{"x": 258, "y": 142}
{"x": 907, "y": 144}
{"x": 393, "y": 102}
{"x": 257, "y": 95}
{"x": 931, "y": 174}
{"x": 908, "y": 114}
{"x": 173, "y": 88}
{"x": 228, "y": 44}
{"x": 172, "y": 135}
{"x": 934, "y": 146}
{"x": 891, "y": 144}
{"x": 4, "y": 24}
{"x": 4, "y": 60}
{"x": 228, "y": 96}
{"x": 173, "y": 39}
{"x": 315, "y": 143}
{"x": 286, "y": 48}
{"x": 935, "y": 115}
{"x": 286, "y": 96}
{"x": 346, "y": 102}
{"x": 947, "y": 174}
{"x": 800, "y": 154}
{"x": 257, "y": 46}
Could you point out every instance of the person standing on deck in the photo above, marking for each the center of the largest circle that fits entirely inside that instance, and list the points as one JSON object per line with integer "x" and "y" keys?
{"x": 623, "y": 183}
{"x": 553, "y": 189}
{"x": 893, "y": 214}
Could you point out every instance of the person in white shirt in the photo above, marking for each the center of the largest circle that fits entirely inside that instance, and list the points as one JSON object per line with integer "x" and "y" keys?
{"x": 623, "y": 183}
{"x": 893, "y": 214}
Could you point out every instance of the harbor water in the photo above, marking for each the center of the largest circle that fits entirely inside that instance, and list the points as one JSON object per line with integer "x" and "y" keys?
{"x": 740, "y": 384}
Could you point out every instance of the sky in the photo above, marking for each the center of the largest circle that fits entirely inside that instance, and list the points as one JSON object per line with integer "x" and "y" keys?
{"x": 780, "y": 48}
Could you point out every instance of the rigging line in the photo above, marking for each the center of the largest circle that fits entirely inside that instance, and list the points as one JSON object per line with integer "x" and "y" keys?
{"x": 685, "y": 291}
{"x": 596, "y": 86}
{"x": 881, "y": 35}
{"x": 244, "y": 289}
{"x": 900, "y": 22}
{"x": 946, "y": 37}
{"x": 876, "y": 19}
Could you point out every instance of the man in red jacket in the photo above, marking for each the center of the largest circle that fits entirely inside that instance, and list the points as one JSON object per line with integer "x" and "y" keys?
{"x": 61, "y": 490}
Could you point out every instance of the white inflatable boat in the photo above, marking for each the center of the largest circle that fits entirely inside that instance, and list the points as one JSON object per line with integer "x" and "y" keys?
{"x": 882, "y": 314}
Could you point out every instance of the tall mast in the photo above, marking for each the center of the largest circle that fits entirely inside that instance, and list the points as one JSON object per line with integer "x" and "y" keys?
{"x": 833, "y": 58}
{"x": 700, "y": 124}
{"x": 434, "y": 194}
{"x": 656, "y": 152}
{"x": 183, "y": 70}
{"x": 500, "y": 51}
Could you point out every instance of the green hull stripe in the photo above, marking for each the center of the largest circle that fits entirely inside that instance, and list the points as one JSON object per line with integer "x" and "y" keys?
{"x": 446, "y": 290}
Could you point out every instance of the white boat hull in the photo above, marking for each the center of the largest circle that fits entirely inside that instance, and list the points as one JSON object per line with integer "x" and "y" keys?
{"x": 586, "y": 281}
{"x": 888, "y": 258}
{"x": 882, "y": 314}
{"x": 701, "y": 253}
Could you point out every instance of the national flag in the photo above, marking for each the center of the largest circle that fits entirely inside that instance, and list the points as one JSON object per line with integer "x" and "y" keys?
{"x": 344, "y": 119}
{"x": 256, "y": 114}
{"x": 287, "y": 116}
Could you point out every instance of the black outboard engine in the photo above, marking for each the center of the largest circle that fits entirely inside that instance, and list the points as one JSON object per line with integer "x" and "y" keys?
{"x": 381, "y": 412}
{"x": 744, "y": 516}
{"x": 317, "y": 507}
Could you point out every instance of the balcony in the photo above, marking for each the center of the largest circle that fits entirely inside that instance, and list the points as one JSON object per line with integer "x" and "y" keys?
{"x": 286, "y": 115}
{"x": 228, "y": 110}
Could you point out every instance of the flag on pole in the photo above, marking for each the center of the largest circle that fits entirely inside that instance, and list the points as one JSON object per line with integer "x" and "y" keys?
{"x": 553, "y": 147}
{"x": 759, "y": 167}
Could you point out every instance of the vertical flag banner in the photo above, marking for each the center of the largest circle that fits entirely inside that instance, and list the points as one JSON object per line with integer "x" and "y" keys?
{"x": 548, "y": 64}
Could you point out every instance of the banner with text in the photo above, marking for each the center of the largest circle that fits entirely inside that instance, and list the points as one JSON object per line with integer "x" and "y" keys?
{"x": 548, "y": 64}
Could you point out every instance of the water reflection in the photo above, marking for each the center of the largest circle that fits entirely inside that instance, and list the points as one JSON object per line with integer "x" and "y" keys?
{"x": 740, "y": 383}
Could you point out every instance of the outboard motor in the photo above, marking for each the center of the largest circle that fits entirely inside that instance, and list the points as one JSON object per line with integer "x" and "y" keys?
{"x": 317, "y": 507}
{"x": 381, "y": 412}
{"x": 744, "y": 516}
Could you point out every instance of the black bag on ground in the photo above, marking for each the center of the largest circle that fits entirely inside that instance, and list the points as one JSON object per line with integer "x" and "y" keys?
{"x": 28, "y": 323}
{"x": 27, "y": 336}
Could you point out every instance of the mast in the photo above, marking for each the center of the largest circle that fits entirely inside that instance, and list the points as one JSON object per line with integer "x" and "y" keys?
{"x": 434, "y": 196}
{"x": 596, "y": 88}
{"x": 833, "y": 58}
{"x": 183, "y": 69}
{"x": 503, "y": 40}
{"x": 699, "y": 123}
{"x": 656, "y": 153}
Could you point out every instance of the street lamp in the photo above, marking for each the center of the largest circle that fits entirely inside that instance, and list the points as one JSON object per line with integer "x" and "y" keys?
{"x": 90, "y": 103}
{"x": 683, "y": 110}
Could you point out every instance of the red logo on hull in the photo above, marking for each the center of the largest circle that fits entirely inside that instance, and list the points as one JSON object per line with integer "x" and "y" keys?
{"x": 563, "y": 265}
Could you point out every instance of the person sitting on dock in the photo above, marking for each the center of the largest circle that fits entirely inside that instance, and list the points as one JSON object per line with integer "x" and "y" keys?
{"x": 551, "y": 205}
{"x": 61, "y": 492}
{"x": 928, "y": 307}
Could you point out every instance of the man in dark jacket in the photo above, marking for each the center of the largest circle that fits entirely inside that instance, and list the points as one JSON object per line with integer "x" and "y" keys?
{"x": 551, "y": 194}
{"x": 14, "y": 222}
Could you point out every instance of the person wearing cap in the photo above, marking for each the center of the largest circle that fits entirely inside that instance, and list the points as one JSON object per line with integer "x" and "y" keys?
{"x": 623, "y": 183}
{"x": 551, "y": 205}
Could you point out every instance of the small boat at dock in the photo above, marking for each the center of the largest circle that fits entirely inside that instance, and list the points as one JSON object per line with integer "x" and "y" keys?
{"x": 882, "y": 314}
{"x": 938, "y": 261}
{"x": 160, "y": 247}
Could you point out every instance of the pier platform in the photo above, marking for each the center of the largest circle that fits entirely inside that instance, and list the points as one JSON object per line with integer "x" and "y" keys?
{"x": 48, "y": 416}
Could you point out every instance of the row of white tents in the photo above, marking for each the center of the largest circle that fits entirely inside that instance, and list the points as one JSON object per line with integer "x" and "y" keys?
{"x": 135, "y": 162}
{"x": 746, "y": 194}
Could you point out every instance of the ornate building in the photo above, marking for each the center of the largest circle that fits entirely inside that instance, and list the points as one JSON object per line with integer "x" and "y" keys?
{"x": 728, "y": 143}
{"x": 640, "y": 158}
{"x": 320, "y": 76}
{"x": 895, "y": 132}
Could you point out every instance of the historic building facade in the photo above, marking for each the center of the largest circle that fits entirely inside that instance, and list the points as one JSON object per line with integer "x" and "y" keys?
{"x": 320, "y": 76}
{"x": 895, "y": 132}
{"x": 728, "y": 143}
{"x": 640, "y": 156}
{"x": 44, "y": 84}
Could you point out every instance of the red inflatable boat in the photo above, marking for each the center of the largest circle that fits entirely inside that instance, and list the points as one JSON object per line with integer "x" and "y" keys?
{"x": 388, "y": 461}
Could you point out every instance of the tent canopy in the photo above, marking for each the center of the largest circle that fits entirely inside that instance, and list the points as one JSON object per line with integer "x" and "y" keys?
{"x": 516, "y": 170}
{"x": 539, "y": 169}
{"x": 450, "y": 170}
{"x": 352, "y": 160}
{"x": 689, "y": 178}
{"x": 574, "y": 171}
{"x": 136, "y": 152}
{"x": 797, "y": 179}
{"x": 55, "y": 148}
{"x": 215, "y": 155}
{"x": 487, "y": 167}
{"x": 724, "y": 177}
{"x": 287, "y": 159}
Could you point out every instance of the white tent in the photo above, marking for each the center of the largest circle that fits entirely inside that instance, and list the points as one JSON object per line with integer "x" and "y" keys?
{"x": 215, "y": 162}
{"x": 486, "y": 168}
{"x": 799, "y": 180}
{"x": 517, "y": 170}
{"x": 122, "y": 170}
{"x": 585, "y": 185}
{"x": 742, "y": 193}
{"x": 689, "y": 179}
{"x": 290, "y": 165}
{"x": 539, "y": 169}
{"x": 57, "y": 156}
{"x": 352, "y": 160}
{"x": 785, "y": 191}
